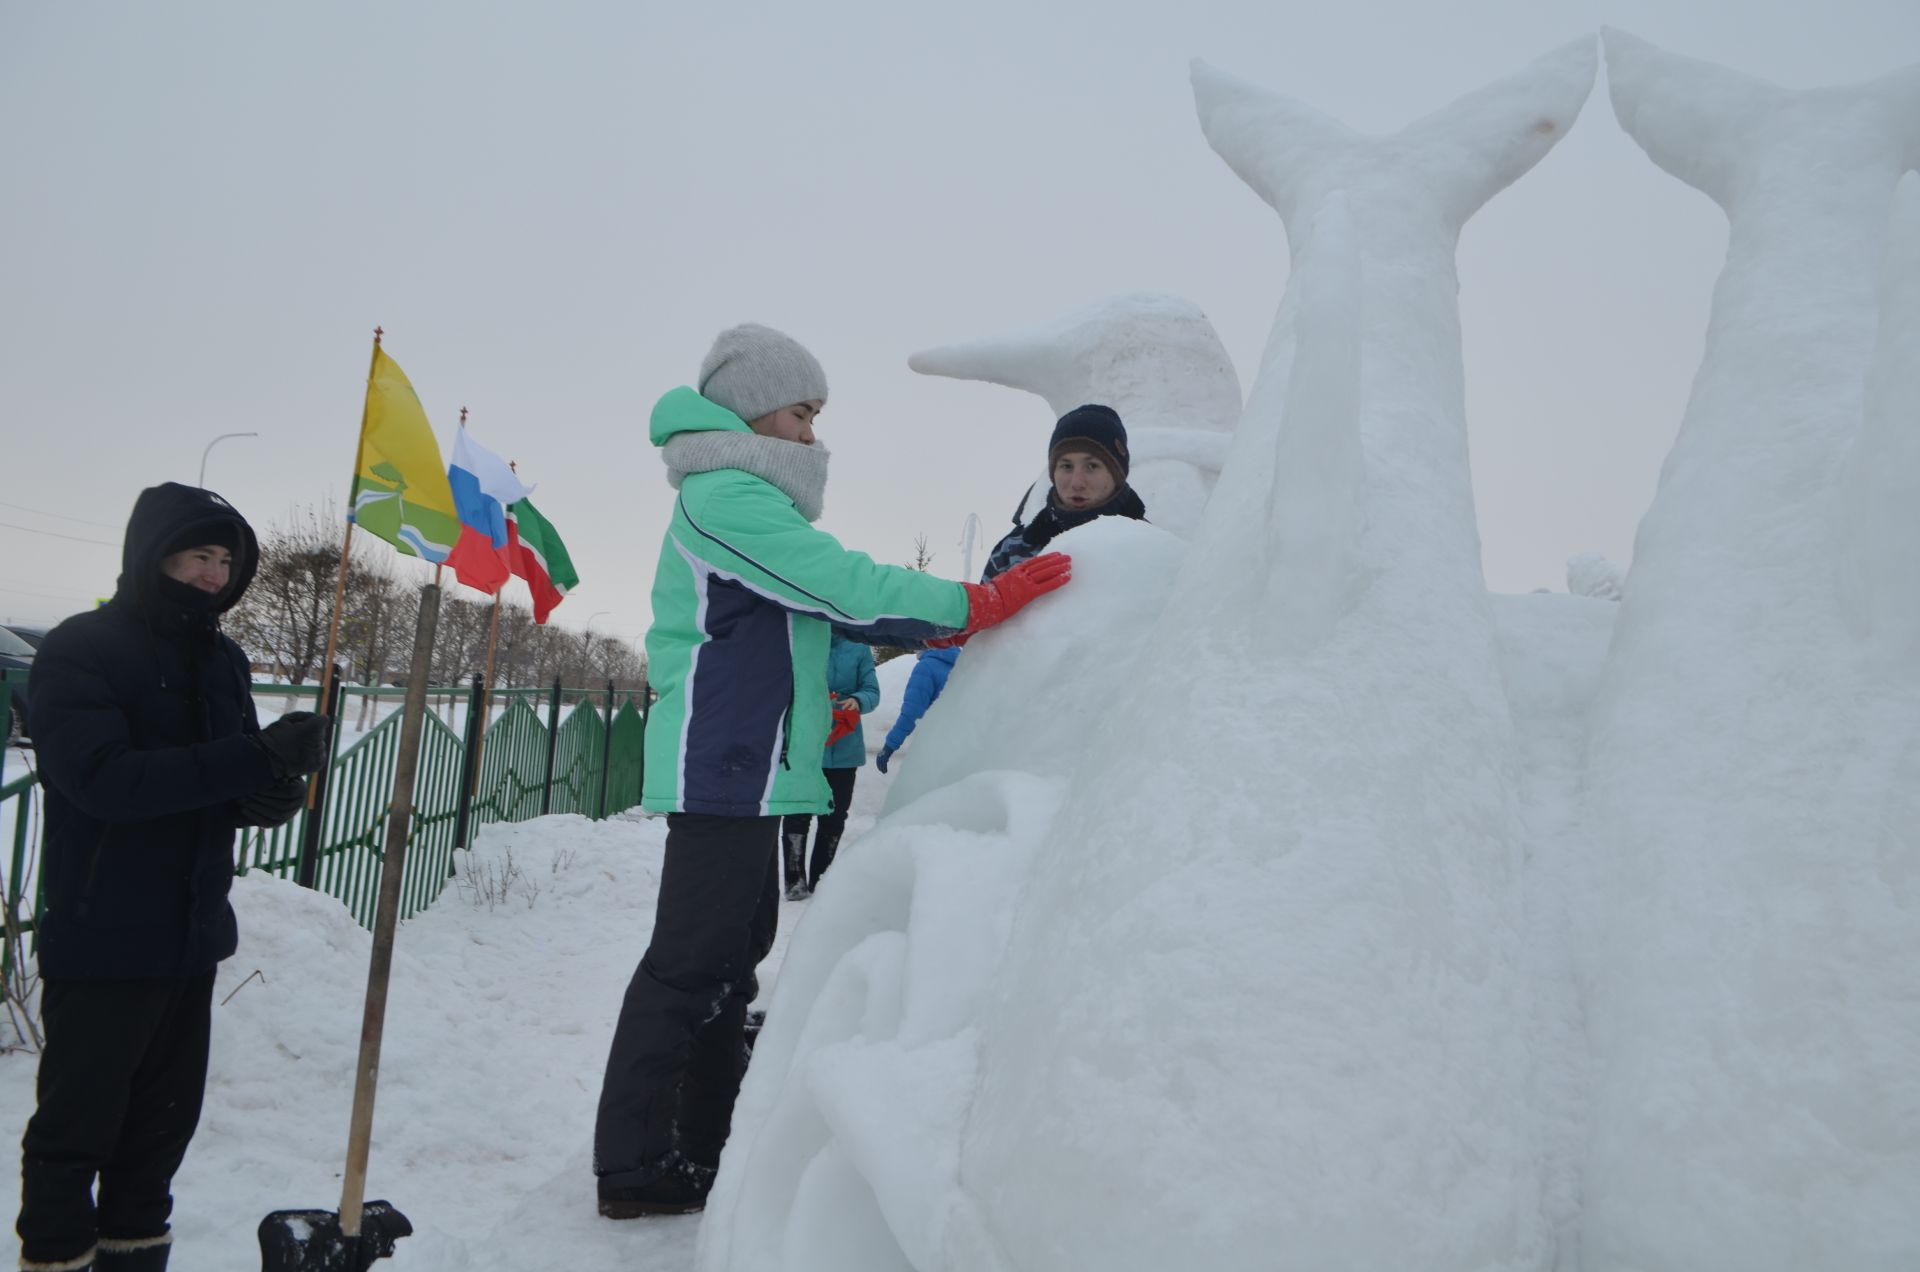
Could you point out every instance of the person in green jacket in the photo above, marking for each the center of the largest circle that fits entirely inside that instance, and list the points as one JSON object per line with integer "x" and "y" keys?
{"x": 745, "y": 596}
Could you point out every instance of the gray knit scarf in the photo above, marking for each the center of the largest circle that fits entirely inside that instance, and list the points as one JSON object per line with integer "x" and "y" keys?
{"x": 797, "y": 470}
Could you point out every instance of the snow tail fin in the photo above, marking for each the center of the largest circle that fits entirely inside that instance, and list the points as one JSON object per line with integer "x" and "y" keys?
{"x": 1284, "y": 149}
{"x": 1471, "y": 150}
{"x": 1462, "y": 154}
{"x": 1698, "y": 121}
{"x": 1708, "y": 125}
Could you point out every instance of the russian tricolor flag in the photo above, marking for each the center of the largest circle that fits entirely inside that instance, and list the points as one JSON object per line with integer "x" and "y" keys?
{"x": 483, "y": 485}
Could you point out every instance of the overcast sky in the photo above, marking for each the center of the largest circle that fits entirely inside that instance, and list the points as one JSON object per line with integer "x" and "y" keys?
{"x": 552, "y": 208}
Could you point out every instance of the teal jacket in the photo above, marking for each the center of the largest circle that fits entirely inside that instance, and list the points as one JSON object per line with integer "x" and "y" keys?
{"x": 743, "y": 599}
{"x": 850, "y": 675}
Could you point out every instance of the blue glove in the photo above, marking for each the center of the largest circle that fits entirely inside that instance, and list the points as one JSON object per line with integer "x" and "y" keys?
{"x": 880, "y": 760}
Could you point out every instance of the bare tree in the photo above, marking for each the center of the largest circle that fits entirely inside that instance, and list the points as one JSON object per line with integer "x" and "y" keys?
{"x": 922, "y": 559}
{"x": 283, "y": 617}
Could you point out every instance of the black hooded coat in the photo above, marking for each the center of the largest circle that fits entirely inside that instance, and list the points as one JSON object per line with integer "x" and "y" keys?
{"x": 141, "y": 714}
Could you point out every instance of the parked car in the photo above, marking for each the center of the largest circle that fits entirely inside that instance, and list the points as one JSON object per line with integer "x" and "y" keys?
{"x": 16, "y": 655}
{"x": 32, "y": 635}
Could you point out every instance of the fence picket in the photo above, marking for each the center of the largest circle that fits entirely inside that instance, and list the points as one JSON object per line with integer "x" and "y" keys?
{"x": 528, "y": 765}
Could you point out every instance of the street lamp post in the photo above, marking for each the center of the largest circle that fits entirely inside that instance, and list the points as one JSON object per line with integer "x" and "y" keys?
{"x": 210, "y": 445}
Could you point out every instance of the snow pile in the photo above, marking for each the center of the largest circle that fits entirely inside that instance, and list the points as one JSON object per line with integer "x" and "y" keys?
{"x": 1154, "y": 359}
{"x": 1754, "y": 778}
{"x": 496, "y": 1036}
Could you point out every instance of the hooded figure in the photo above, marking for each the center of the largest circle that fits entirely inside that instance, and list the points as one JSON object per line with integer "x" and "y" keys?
{"x": 151, "y": 756}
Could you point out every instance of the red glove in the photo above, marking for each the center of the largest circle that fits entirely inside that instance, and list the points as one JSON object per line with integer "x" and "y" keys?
{"x": 996, "y": 601}
{"x": 845, "y": 720}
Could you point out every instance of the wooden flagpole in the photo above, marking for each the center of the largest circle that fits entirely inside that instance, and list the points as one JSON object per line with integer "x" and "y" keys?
{"x": 340, "y": 584}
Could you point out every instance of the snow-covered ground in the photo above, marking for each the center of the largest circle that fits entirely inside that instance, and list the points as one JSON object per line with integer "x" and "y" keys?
{"x": 496, "y": 1034}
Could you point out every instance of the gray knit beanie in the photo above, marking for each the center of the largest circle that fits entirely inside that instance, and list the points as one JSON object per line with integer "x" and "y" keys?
{"x": 753, "y": 371}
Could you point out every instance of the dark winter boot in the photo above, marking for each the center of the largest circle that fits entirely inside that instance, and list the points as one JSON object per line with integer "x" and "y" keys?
{"x": 681, "y": 1188}
{"x": 824, "y": 847}
{"x": 144, "y": 1254}
{"x": 79, "y": 1263}
{"x": 796, "y": 854}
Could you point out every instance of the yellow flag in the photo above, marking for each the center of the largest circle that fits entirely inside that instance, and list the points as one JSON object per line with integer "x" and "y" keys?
{"x": 400, "y": 489}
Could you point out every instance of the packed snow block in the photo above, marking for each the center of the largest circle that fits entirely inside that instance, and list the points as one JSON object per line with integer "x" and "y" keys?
{"x": 1025, "y": 696}
{"x": 1155, "y": 359}
{"x": 1753, "y": 776}
{"x": 1264, "y": 1001}
{"x": 845, "y": 1143}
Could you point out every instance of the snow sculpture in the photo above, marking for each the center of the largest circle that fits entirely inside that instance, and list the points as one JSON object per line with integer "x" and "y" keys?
{"x": 1257, "y": 1007}
{"x": 1155, "y": 359}
{"x": 1753, "y": 782}
{"x": 1590, "y": 574}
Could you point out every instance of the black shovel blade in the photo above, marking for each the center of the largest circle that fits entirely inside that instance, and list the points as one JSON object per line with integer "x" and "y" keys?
{"x": 311, "y": 1240}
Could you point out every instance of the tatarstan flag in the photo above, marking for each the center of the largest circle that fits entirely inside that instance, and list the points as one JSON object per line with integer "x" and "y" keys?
{"x": 538, "y": 556}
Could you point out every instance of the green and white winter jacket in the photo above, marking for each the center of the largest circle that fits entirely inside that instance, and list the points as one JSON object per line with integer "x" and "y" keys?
{"x": 744, "y": 597}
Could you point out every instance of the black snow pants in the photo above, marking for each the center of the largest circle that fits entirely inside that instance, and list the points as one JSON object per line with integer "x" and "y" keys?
{"x": 679, "y": 1049}
{"x": 832, "y": 825}
{"x": 120, "y": 1086}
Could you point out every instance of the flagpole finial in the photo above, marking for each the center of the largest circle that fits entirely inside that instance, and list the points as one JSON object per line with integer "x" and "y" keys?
{"x": 513, "y": 466}
{"x": 463, "y": 417}
{"x": 377, "y": 333}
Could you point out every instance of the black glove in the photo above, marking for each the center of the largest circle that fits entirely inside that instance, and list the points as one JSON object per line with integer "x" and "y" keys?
{"x": 296, "y": 744}
{"x": 275, "y": 806}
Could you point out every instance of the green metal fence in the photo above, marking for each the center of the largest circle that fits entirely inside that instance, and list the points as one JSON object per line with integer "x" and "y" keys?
{"x": 554, "y": 750}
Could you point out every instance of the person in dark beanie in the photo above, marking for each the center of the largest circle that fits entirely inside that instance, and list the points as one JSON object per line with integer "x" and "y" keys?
{"x": 744, "y": 597}
{"x": 151, "y": 755}
{"x": 856, "y": 691}
{"x": 1087, "y": 461}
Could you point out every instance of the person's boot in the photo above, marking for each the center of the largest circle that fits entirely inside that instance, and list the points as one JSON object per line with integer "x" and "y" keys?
{"x": 796, "y": 852}
{"x": 141, "y": 1254}
{"x": 680, "y": 1188}
{"x": 79, "y": 1263}
{"x": 823, "y": 850}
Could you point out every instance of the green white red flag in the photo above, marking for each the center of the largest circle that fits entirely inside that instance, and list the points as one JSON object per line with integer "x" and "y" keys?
{"x": 535, "y": 552}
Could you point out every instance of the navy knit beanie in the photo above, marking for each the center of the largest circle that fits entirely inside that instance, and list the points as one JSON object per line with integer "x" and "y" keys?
{"x": 1095, "y": 428}
{"x": 222, "y": 531}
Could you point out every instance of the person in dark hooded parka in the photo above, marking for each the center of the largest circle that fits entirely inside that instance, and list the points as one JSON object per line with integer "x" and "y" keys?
{"x": 151, "y": 755}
